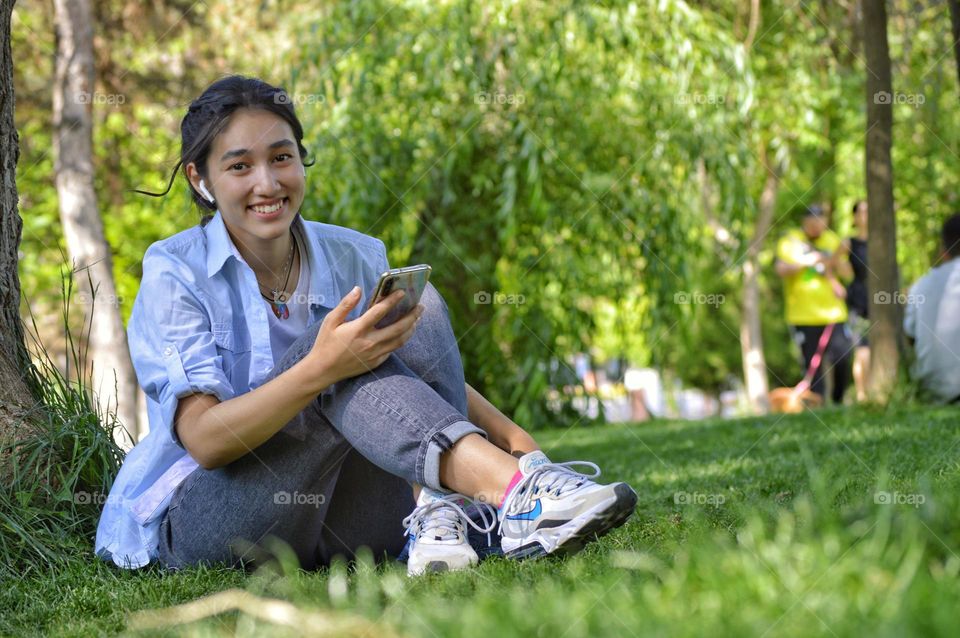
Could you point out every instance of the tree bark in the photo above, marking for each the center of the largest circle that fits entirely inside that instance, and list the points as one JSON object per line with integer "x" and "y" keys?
{"x": 885, "y": 333}
{"x": 112, "y": 377}
{"x": 955, "y": 23}
{"x": 18, "y": 405}
{"x": 751, "y": 332}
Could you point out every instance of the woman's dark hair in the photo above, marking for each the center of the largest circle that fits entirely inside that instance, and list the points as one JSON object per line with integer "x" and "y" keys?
{"x": 856, "y": 205}
{"x": 209, "y": 114}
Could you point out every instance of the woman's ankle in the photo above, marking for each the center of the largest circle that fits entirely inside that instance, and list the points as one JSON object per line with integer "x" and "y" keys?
{"x": 478, "y": 469}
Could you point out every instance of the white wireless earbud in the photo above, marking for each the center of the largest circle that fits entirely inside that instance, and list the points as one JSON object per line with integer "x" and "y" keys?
{"x": 205, "y": 192}
{"x": 304, "y": 171}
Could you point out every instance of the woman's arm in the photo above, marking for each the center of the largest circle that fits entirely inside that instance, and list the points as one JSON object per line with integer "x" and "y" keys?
{"x": 502, "y": 432}
{"x": 216, "y": 433}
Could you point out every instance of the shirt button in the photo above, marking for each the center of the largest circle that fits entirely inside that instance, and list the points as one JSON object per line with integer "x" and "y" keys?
{"x": 167, "y": 351}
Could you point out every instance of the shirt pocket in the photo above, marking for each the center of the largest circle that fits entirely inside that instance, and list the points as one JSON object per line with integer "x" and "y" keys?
{"x": 233, "y": 346}
{"x": 229, "y": 339}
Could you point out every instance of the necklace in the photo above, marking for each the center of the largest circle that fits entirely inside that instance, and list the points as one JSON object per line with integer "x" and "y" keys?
{"x": 278, "y": 295}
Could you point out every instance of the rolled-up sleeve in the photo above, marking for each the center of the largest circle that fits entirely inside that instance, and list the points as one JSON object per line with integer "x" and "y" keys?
{"x": 171, "y": 343}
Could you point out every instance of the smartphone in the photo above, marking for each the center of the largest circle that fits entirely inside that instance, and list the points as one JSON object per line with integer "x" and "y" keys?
{"x": 411, "y": 279}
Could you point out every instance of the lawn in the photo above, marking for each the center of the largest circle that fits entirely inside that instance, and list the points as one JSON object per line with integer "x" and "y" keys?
{"x": 839, "y": 522}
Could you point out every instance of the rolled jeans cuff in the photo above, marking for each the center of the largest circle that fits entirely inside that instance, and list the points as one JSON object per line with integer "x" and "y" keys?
{"x": 440, "y": 440}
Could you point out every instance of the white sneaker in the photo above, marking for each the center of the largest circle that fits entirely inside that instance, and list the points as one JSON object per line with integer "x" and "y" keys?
{"x": 556, "y": 510}
{"x": 438, "y": 533}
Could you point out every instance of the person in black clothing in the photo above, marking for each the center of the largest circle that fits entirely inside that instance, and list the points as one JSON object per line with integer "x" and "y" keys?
{"x": 856, "y": 248}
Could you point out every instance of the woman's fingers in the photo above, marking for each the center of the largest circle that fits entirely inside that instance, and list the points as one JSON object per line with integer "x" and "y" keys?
{"x": 371, "y": 317}
{"x": 339, "y": 314}
{"x": 397, "y": 340}
{"x": 398, "y": 327}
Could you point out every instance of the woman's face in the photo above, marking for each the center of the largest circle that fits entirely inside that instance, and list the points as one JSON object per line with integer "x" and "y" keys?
{"x": 255, "y": 175}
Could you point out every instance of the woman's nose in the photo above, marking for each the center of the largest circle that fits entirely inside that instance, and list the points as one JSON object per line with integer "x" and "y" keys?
{"x": 266, "y": 182}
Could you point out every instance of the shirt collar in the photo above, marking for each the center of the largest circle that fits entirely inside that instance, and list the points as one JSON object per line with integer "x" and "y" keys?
{"x": 219, "y": 245}
{"x": 323, "y": 289}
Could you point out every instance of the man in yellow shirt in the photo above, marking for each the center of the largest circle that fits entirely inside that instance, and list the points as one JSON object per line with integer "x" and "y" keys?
{"x": 809, "y": 259}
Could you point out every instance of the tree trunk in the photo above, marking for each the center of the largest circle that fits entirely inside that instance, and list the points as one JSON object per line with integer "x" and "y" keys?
{"x": 18, "y": 405}
{"x": 882, "y": 244}
{"x": 751, "y": 333}
{"x": 113, "y": 378}
{"x": 955, "y": 22}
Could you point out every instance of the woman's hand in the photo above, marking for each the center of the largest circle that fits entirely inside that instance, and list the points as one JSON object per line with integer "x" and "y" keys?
{"x": 345, "y": 349}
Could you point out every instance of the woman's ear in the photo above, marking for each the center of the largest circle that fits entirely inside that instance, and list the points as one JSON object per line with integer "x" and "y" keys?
{"x": 193, "y": 175}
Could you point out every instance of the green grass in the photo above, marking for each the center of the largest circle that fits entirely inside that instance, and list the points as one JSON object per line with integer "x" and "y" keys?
{"x": 781, "y": 534}
{"x": 53, "y": 466}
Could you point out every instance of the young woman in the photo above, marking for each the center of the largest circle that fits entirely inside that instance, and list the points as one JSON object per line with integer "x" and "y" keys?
{"x": 278, "y": 411}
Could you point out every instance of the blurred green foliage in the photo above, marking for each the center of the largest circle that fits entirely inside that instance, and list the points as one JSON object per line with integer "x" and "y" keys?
{"x": 539, "y": 155}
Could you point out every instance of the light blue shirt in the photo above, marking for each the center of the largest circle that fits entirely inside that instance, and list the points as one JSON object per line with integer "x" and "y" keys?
{"x": 931, "y": 318}
{"x": 199, "y": 325}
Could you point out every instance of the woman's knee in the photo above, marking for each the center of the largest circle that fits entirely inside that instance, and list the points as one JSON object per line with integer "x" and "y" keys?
{"x": 434, "y": 307}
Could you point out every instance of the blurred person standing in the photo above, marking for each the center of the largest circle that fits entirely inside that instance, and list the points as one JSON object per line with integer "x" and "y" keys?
{"x": 809, "y": 259}
{"x": 855, "y": 248}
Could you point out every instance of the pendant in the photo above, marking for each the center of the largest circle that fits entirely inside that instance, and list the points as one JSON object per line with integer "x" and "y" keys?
{"x": 279, "y": 306}
{"x": 280, "y": 310}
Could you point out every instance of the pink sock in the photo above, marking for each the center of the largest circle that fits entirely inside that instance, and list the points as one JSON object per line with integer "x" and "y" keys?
{"x": 513, "y": 483}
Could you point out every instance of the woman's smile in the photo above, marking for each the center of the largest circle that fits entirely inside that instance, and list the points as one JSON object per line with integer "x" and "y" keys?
{"x": 270, "y": 210}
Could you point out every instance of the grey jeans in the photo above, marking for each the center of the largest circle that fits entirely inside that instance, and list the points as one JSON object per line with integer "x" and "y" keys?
{"x": 337, "y": 476}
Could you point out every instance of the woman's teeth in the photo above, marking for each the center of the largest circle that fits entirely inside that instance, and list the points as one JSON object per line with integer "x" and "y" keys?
{"x": 266, "y": 210}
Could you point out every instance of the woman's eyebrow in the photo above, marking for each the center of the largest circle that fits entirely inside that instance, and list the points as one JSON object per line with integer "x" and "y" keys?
{"x": 239, "y": 152}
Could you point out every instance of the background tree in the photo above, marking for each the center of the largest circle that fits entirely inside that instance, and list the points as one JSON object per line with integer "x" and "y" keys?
{"x": 883, "y": 278}
{"x": 17, "y": 399}
{"x": 540, "y": 151}
{"x": 751, "y": 330}
{"x": 74, "y": 93}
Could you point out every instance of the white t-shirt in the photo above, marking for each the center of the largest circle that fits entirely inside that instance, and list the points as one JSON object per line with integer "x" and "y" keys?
{"x": 283, "y": 332}
{"x": 933, "y": 319}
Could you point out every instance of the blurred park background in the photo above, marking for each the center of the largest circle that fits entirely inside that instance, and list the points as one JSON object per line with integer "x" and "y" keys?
{"x": 596, "y": 184}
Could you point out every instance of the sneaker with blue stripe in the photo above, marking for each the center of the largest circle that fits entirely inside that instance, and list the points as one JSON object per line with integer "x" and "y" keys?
{"x": 554, "y": 509}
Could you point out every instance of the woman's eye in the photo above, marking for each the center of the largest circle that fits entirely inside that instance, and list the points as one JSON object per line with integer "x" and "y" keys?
{"x": 238, "y": 166}
{"x": 283, "y": 157}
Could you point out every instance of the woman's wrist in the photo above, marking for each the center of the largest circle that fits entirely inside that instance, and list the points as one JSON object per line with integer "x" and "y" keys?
{"x": 318, "y": 377}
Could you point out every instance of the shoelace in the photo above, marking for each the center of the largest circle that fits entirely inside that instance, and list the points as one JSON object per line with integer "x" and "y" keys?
{"x": 445, "y": 512}
{"x": 558, "y": 477}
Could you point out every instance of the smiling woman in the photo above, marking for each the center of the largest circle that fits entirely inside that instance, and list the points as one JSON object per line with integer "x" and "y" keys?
{"x": 308, "y": 424}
